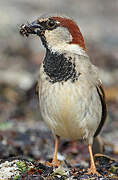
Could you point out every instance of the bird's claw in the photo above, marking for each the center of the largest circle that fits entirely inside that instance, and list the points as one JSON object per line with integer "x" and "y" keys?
{"x": 92, "y": 170}
{"x": 53, "y": 163}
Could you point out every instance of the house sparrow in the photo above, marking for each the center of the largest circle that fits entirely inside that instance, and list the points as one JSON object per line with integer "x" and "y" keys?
{"x": 71, "y": 95}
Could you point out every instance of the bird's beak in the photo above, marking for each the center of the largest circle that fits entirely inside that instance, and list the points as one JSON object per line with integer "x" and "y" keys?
{"x": 32, "y": 28}
{"x": 36, "y": 27}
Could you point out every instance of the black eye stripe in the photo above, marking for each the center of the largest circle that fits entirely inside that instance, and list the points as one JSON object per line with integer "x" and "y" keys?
{"x": 50, "y": 24}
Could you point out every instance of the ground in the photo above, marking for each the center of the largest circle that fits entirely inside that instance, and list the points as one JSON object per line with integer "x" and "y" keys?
{"x": 23, "y": 135}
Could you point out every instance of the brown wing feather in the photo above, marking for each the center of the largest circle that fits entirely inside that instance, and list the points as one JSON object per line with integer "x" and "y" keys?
{"x": 37, "y": 88}
{"x": 101, "y": 93}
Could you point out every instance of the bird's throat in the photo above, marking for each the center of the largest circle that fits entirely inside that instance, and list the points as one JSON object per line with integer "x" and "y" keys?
{"x": 59, "y": 68}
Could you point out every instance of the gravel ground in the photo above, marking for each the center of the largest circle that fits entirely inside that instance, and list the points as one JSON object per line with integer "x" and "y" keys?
{"x": 21, "y": 131}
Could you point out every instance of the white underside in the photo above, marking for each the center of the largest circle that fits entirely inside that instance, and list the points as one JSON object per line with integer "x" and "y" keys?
{"x": 72, "y": 110}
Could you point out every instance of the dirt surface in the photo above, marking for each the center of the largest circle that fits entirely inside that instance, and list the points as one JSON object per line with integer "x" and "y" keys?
{"x": 22, "y": 133}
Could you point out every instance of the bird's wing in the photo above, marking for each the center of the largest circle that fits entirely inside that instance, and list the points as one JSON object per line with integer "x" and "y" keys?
{"x": 37, "y": 89}
{"x": 101, "y": 93}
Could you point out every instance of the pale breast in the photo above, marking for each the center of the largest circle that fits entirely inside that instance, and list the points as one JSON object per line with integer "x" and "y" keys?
{"x": 71, "y": 110}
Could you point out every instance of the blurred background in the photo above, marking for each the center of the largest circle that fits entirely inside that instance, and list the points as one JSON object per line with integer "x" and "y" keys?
{"x": 21, "y": 131}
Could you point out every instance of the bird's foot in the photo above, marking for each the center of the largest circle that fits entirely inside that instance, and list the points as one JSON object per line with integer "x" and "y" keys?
{"x": 92, "y": 170}
{"x": 54, "y": 163}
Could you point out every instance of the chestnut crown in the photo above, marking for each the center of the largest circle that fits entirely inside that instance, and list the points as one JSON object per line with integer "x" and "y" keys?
{"x": 56, "y": 32}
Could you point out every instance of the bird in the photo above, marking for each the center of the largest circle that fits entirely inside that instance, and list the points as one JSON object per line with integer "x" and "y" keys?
{"x": 71, "y": 95}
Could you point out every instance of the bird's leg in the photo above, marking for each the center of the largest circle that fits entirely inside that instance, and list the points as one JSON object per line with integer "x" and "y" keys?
{"x": 92, "y": 169}
{"x": 55, "y": 161}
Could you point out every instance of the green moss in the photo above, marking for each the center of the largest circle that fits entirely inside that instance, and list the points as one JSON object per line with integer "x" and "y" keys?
{"x": 114, "y": 169}
{"x": 16, "y": 177}
{"x": 22, "y": 166}
{"x": 6, "y": 125}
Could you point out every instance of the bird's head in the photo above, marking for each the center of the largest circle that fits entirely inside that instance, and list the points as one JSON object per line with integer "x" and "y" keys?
{"x": 57, "y": 33}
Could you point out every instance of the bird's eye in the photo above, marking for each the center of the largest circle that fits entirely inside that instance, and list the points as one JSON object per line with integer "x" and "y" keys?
{"x": 51, "y": 24}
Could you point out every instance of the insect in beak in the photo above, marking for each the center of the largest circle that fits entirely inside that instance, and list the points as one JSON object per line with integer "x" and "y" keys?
{"x": 31, "y": 28}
